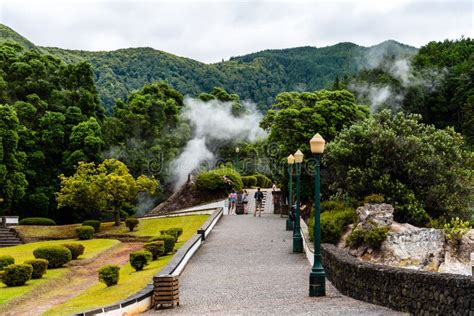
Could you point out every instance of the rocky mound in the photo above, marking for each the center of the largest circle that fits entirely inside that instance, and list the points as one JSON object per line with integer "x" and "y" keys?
{"x": 412, "y": 247}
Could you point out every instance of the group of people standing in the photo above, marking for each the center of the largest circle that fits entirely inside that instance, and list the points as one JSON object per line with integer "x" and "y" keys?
{"x": 243, "y": 198}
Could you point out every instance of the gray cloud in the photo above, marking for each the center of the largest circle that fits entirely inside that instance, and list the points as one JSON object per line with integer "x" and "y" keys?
{"x": 210, "y": 31}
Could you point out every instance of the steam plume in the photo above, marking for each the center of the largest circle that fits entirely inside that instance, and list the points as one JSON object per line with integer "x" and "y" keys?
{"x": 213, "y": 123}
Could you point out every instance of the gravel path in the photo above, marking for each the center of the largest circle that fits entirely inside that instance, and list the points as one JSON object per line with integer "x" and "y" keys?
{"x": 246, "y": 266}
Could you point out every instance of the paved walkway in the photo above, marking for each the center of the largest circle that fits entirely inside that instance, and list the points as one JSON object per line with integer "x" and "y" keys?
{"x": 246, "y": 266}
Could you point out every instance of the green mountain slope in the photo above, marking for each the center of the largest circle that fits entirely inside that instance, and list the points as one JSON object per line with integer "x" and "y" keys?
{"x": 258, "y": 77}
{"x": 7, "y": 34}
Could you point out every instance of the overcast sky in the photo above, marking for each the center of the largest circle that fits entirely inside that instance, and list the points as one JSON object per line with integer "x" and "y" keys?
{"x": 212, "y": 30}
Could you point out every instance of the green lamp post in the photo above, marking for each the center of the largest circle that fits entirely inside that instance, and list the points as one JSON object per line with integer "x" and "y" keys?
{"x": 291, "y": 161}
{"x": 297, "y": 239}
{"x": 237, "y": 151}
{"x": 317, "y": 277}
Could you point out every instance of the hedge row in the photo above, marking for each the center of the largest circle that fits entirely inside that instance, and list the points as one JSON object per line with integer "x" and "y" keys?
{"x": 37, "y": 221}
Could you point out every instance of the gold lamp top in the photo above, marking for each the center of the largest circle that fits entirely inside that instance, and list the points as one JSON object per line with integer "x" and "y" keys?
{"x": 317, "y": 144}
{"x": 298, "y": 156}
{"x": 291, "y": 159}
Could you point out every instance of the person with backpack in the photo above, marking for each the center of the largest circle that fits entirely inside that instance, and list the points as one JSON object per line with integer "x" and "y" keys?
{"x": 258, "y": 196}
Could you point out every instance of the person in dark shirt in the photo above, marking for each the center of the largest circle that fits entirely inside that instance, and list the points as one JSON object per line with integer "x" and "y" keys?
{"x": 258, "y": 196}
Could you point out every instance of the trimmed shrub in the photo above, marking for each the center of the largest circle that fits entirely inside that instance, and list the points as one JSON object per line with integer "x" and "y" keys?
{"x": 372, "y": 237}
{"x": 6, "y": 261}
{"x": 93, "y": 223}
{"x": 109, "y": 274}
{"x": 17, "y": 274}
{"x": 263, "y": 181}
{"x": 208, "y": 181}
{"x": 168, "y": 240}
{"x": 37, "y": 221}
{"x": 139, "y": 259}
{"x": 85, "y": 232}
{"x": 56, "y": 255}
{"x": 232, "y": 175}
{"x": 332, "y": 224}
{"x": 39, "y": 267}
{"x": 249, "y": 181}
{"x": 76, "y": 249}
{"x": 157, "y": 248}
{"x": 374, "y": 199}
{"x": 131, "y": 223}
{"x": 175, "y": 232}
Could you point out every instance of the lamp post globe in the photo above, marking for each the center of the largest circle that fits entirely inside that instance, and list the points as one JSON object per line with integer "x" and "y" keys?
{"x": 317, "y": 277}
{"x": 237, "y": 151}
{"x": 291, "y": 162}
{"x": 297, "y": 238}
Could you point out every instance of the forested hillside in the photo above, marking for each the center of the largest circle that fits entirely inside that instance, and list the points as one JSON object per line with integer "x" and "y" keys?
{"x": 258, "y": 77}
{"x": 437, "y": 82}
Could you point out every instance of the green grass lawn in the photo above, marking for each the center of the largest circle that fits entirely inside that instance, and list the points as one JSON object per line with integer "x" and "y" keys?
{"x": 147, "y": 227}
{"x": 131, "y": 281}
{"x": 25, "y": 252}
{"x": 152, "y": 226}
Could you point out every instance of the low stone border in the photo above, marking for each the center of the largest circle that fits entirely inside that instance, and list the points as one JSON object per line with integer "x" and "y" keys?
{"x": 406, "y": 290}
{"x": 142, "y": 300}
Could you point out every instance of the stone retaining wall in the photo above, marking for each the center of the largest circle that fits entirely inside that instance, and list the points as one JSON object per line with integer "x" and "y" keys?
{"x": 406, "y": 290}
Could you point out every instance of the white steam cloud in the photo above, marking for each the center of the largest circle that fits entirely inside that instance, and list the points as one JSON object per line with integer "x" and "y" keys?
{"x": 213, "y": 123}
{"x": 383, "y": 95}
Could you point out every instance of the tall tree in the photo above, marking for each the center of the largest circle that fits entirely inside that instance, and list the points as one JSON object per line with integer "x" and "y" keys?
{"x": 105, "y": 187}
{"x": 297, "y": 116}
{"x": 12, "y": 179}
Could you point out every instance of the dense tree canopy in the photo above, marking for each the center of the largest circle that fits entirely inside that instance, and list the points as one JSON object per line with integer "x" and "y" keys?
{"x": 51, "y": 123}
{"x": 297, "y": 116}
{"x": 145, "y": 131}
{"x": 419, "y": 169}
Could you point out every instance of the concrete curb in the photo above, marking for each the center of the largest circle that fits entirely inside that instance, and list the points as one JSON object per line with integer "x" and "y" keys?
{"x": 141, "y": 301}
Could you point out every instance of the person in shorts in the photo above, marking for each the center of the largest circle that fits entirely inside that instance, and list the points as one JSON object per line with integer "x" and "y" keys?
{"x": 258, "y": 196}
{"x": 232, "y": 202}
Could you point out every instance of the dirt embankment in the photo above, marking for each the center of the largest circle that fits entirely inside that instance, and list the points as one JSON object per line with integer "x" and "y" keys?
{"x": 186, "y": 196}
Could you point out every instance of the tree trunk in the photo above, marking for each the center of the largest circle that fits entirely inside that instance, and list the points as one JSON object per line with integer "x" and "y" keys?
{"x": 117, "y": 217}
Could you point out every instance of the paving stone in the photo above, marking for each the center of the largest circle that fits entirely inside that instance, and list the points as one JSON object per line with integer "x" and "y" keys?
{"x": 246, "y": 267}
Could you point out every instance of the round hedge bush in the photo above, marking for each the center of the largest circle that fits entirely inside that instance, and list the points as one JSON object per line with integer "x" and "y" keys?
{"x": 131, "y": 223}
{"x": 168, "y": 240}
{"x": 6, "y": 261}
{"x": 157, "y": 248}
{"x": 93, "y": 223}
{"x": 17, "y": 274}
{"x": 85, "y": 232}
{"x": 263, "y": 181}
{"x": 39, "y": 267}
{"x": 209, "y": 181}
{"x": 249, "y": 181}
{"x": 76, "y": 249}
{"x": 37, "y": 221}
{"x": 109, "y": 274}
{"x": 56, "y": 255}
{"x": 139, "y": 259}
{"x": 174, "y": 231}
